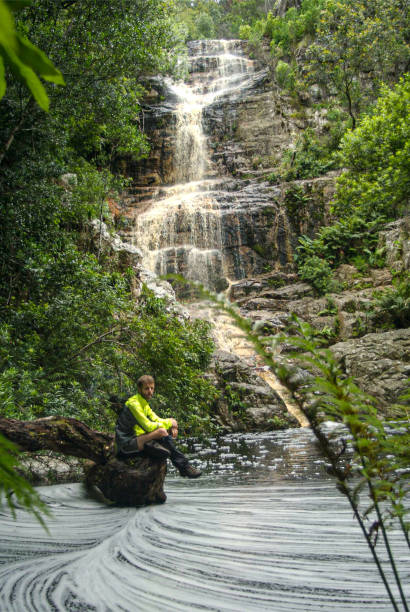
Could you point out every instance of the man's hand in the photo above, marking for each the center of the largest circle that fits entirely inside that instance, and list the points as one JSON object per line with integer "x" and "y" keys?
{"x": 161, "y": 432}
{"x": 174, "y": 428}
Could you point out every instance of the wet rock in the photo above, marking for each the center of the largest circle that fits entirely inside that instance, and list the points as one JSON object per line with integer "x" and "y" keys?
{"x": 161, "y": 288}
{"x": 345, "y": 274}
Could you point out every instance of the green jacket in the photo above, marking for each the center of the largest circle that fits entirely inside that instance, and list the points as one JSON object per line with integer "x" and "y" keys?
{"x": 147, "y": 420}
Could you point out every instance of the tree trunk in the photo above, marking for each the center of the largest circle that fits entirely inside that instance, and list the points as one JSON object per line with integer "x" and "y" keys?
{"x": 135, "y": 484}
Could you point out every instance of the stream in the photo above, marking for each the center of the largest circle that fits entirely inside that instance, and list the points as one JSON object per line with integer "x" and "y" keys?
{"x": 264, "y": 528}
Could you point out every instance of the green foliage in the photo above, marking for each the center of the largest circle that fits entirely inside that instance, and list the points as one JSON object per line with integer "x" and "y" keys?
{"x": 13, "y": 485}
{"x": 342, "y": 241}
{"x": 203, "y": 19}
{"x": 374, "y": 189}
{"x": 312, "y": 156}
{"x": 206, "y": 28}
{"x": 285, "y": 32}
{"x": 285, "y": 75}
{"x": 317, "y": 272}
{"x": 376, "y": 156}
{"x": 357, "y": 46}
{"x": 103, "y": 50}
{"x": 331, "y": 308}
{"x": 393, "y": 305}
{"x": 24, "y": 59}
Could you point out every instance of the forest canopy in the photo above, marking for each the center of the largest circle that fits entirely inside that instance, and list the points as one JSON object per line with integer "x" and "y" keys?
{"x": 70, "y": 331}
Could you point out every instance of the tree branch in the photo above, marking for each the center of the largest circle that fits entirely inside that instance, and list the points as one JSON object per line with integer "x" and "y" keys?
{"x": 60, "y": 434}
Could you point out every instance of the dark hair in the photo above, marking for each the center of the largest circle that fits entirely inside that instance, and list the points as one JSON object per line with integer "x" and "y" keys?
{"x": 144, "y": 380}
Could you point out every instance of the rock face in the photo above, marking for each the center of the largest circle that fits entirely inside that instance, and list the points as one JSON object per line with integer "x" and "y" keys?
{"x": 379, "y": 362}
{"x": 205, "y": 205}
{"x": 201, "y": 205}
{"x": 395, "y": 240}
{"x": 246, "y": 402}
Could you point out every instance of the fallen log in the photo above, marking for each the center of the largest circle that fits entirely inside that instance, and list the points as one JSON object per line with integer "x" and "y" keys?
{"x": 135, "y": 483}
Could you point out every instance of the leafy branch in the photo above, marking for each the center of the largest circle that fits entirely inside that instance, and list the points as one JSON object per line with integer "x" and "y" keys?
{"x": 12, "y": 483}
{"x": 26, "y": 61}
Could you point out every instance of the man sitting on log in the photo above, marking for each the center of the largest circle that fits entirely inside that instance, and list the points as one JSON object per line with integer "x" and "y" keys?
{"x": 140, "y": 430}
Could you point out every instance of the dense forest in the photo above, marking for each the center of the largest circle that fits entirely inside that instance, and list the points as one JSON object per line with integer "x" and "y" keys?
{"x": 71, "y": 331}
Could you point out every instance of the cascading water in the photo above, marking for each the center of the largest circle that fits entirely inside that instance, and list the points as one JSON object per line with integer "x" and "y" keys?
{"x": 184, "y": 230}
{"x": 181, "y": 231}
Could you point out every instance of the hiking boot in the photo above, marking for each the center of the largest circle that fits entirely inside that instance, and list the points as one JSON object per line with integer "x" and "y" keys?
{"x": 188, "y": 471}
{"x": 155, "y": 450}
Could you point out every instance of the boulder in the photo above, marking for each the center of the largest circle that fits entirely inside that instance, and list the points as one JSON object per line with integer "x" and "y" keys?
{"x": 127, "y": 254}
{"x": 379, "y": 362}
{"x": 395, "y": 240}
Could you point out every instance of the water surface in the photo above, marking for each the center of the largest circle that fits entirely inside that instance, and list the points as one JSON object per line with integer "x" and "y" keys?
{"x": 262, "y": 529}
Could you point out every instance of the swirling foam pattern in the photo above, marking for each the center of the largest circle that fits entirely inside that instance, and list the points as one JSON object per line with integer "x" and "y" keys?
{"x": 234, "y": 540}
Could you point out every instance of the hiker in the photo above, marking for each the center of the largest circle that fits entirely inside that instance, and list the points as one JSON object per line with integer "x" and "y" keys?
{"x": 140, "y": 430}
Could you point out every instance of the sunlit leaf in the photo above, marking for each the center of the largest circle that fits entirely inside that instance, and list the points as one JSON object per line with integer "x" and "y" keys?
{"x": 7, "y": 31}
{"x": 2, "y": 78}
{"x": 26, "y": 74}
{"x": 36, "y": 59}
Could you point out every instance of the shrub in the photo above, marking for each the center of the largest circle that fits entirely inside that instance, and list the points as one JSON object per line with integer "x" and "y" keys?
{"x": 317, "y": 272}
{"x": 393, "y": 305}
{"x": 285, "y": 75}
{"x": 206, "y": 27}
{"x": 376, "y": 155}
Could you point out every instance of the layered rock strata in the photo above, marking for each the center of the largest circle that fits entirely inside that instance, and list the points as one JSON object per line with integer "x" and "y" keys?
{"x": 203, "y": 206}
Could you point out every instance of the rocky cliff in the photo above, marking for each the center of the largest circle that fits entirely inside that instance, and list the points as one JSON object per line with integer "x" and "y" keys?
{"x": 202, "y": 206}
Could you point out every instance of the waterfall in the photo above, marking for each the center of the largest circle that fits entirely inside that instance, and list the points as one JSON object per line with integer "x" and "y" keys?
{"x": 206, "y": 224}
{"x": 181, "y": 230}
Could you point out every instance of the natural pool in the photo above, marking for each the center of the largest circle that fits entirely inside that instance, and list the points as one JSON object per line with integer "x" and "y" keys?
{"x": 263, "y": 529}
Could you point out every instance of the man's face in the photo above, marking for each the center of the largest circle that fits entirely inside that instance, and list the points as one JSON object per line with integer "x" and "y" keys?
{"x": 147, "y": 390}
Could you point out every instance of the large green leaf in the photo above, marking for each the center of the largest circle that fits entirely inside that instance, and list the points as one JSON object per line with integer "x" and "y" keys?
{"x": 7, "y": 31}
{"x": 29, "y": 77}
{"x": 2, "y": 79}
{"x": 33, "y": 57}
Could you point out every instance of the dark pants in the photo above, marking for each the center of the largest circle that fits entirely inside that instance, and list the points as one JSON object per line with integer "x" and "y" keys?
{"x": 177, "y": 458}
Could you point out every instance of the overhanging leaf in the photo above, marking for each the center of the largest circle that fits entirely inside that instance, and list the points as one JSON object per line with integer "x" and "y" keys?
{"x": 26, "y": 74}
{"x": 2, "y": 78}
{"x": 7, "y": 31}
{"x": 33, "y": 57}
{"x": 17, "y": 5}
